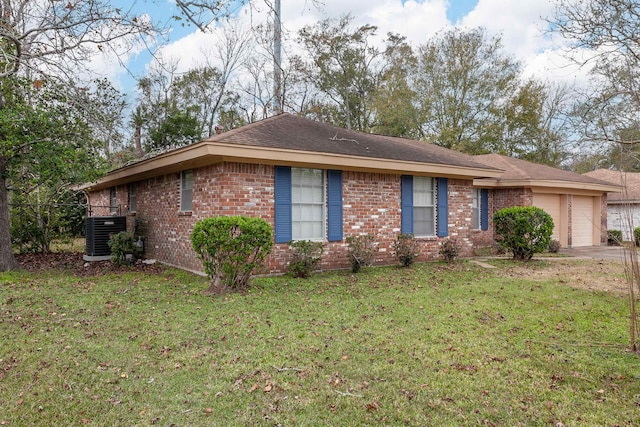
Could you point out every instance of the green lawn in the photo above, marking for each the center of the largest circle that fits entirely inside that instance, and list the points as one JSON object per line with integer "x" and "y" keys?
{"x": 430, "y": 345}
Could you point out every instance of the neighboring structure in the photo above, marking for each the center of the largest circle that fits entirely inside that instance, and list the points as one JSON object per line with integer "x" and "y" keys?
{"x": 314, "y": 181}
{"x": 576, "y": 203}
{"x": 623, "y": 208}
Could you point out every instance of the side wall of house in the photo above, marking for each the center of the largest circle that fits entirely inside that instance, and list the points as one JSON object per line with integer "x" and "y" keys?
{"x": 371, "y": 205}
{"x": 624, "y": 217}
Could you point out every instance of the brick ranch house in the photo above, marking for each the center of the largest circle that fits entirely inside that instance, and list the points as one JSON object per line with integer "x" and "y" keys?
{"x": 312, "y": 181}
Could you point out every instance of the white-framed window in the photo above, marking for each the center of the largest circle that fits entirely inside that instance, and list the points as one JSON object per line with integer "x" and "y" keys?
{"x": 133, "y": 196}
{"x": 424, "y": 206}
{"x": 186, "y": 190}
{"x": 307, "y": 204}
{"x": 476, "y": 205}
{"x": 113, "y": 201}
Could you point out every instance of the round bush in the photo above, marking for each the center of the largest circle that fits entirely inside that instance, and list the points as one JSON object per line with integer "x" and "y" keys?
{"x": 232, "y": 248}
{"x": 524, "y": 230}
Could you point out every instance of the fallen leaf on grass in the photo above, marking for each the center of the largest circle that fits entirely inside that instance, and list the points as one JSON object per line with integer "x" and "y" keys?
{"x": 254, "y": 387}
{"x": 373, "y": 406}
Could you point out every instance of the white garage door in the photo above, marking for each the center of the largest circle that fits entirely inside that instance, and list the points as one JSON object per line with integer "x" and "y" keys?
{"x": 582, "y": 222}
{"x": 550, "y": 203}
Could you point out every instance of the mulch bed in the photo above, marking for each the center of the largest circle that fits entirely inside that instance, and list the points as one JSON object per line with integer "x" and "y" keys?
{"x": 73, "y": 263}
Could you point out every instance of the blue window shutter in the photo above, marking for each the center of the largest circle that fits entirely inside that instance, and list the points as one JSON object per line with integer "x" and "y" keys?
{"x": 484, "y": 209}
{"x": 334, "y": 205}
{"x": 443, "y": 207}
{"x": 282, "y": 196}
{"x": 406, "y": 203}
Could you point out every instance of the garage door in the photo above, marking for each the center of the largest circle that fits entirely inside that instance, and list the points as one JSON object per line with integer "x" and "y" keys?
{"x": 582, "y": 221}
{"x": 550, "y": 203}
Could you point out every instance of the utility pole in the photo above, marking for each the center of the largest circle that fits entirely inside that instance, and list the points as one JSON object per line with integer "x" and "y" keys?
{"x": 277, "y": 60}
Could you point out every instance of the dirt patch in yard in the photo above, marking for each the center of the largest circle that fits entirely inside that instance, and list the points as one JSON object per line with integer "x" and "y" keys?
{"x": 74, "y": 263}
{"x": 594, "y": 275}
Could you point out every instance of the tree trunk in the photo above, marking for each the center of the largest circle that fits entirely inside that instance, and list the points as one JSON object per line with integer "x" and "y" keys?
{"x": 7, "y": 260}
{"x": 137, "y": 139}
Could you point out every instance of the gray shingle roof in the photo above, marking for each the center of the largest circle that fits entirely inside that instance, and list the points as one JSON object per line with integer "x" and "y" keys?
{"x": 288, "y": 131}
{"x": 522, "y": 170}
{"x": 629, "y": 180}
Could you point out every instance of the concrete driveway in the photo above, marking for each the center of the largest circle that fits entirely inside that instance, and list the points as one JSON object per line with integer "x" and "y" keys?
{"x": 595, "y": 252}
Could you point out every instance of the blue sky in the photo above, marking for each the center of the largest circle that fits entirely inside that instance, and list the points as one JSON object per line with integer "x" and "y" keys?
{"x": 459, "y": 8}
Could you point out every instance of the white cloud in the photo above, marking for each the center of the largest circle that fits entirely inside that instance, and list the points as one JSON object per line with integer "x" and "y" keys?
{"x": 520, "y": 23}
{"x": 417, "y": 21}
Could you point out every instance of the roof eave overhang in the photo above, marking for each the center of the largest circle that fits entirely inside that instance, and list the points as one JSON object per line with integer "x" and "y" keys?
{"x": 207, "y": 153}
{"x": 623, "y": 202}
{"x": 549, "y": 186}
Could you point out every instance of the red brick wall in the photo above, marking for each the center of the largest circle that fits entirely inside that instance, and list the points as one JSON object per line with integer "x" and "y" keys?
{"x": 460, "y": 216}
{"x": 99, "y": 202}
{"x": 485, "y": 239}
{"x": 371, "y": 205}
{"x": 509, "y": 197}
{"x": 603, "y": 219}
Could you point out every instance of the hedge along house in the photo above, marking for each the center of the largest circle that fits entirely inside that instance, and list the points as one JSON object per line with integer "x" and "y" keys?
{"x": 310, "y": 181}
{"x": 577, "y": 203}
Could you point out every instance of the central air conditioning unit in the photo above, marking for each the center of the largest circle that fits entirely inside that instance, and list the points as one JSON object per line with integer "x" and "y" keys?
{"x": 98, "y": 231}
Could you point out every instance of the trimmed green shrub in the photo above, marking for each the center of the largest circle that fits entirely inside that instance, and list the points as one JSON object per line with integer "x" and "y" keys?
{"x": 636, "y": 236}
{"x": 231, "y": 248}
{"x": 524, "y": 230}
{"x": 362, "y": 251}
{"x": 406, "y": 249}
{"x": 614, "y": 237}
{"x": 450, "y": 249}
{"x": 306, "y": 256}
{"x": 121, "y": 245}
{"x": 554, "y": 246}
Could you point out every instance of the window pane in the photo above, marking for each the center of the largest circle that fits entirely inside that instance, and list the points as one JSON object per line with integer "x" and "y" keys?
{"x": 423, "y": 206}
{"x": 423, "y": 221}
{"x": 186, "y": 190}
{"x": 476, "y": 209}
{"x": 316, "y": 194}
{"x": 186, "y": 201}
{"x": 296, "y": 214}
{"x": 296, "y": 193}
{"x": 423, "y": 191}
{"x": 307, "y": 197}
{"x": 187, "y": 180}
{"x": 133, "y": 196}
{"x": 317, "y": 213}
{"x": 113, "y": 201}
